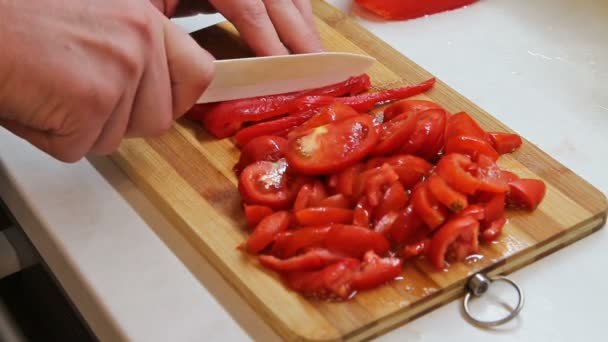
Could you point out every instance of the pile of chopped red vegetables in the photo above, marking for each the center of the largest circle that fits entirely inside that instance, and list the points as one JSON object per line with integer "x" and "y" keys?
{"x": 337, "y": 197}
{"x": 409, "y": 9}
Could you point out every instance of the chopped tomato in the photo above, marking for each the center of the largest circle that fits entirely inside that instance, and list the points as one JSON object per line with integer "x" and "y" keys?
{"x": 430, "y": 128}
{"x": 415, "y": 249}
{"x": 427, "y": 206}
{"x": 505, "y": 142}
{"x": 377, "y": 181}
{"x": 346, "y": 179}
{"x": 333, "y": 281}
{"x": 319, "y": 216}
{"x": 355, "y": 241}
{"x": 453, "y": 169}
{"x": 289, "y": 243}
{"x": 411, "y": 171}
{"x": 526, "y": 193}
{"x": 268, "y": 183}
{"x": 407, "y": 225}
{"x": 332, "y": 113}
{"x": 385, "y": 223}
{"x": 332, "y": 147}
{"x": 266, "y": 147}
{"x": 452, "y": 199}
{"x": 494, "y": 229}
{"x": 475, "y": 211}
{"x": 471, "y": 146}
{"x": 492, "y": 178}
{"x": 462, "y": 124}
{"x": 310, "y": 195}
{"x": 255, "y": 213}
{"x": 408, "y": 106}
{"x": 311, "y": 260}
{"x": 494, "y": 208}
{"x": 363, "y": 213}
{"x": 267, "y": 230}
{"x": 336, "y": 201}
{"x": 509, "y": 176}
{"x": 455, "y": 240}
{"x": 394, "y": 199}
{"x": 375, "y": 271}
{"x": 394, "y": 133}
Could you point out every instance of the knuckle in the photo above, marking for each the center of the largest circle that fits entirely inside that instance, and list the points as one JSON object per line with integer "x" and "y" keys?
{"x": 142, "y": 24}
{"x": 252, "y": 12}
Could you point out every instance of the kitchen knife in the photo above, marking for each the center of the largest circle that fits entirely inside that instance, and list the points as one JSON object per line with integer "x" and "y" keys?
{"x": 260, "y": 76}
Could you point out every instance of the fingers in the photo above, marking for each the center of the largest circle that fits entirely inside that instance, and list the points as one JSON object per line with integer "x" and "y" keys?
{"x": 294, "y": 29}
{"x": 189, "y": 66}
{"x": 252, "y": 21}
{"x": 67, "y": 148}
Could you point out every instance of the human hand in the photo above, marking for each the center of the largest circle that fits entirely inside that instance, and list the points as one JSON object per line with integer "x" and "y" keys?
{"x": 269, "y": 27}
{"x": 76, "y": 76}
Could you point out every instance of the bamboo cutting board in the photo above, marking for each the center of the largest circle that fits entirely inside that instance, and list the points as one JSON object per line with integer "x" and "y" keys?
{"x": 188, "y": 175}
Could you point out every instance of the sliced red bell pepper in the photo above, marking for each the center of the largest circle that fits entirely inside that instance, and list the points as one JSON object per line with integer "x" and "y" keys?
{"x": 224, "y": 119}
{"x": 273, "y": 127}
{"x": 318, "y": 216}
{"x": 255, "y": 213}
{"x": 289, "y": 243}
{"x": 415, "y": 249}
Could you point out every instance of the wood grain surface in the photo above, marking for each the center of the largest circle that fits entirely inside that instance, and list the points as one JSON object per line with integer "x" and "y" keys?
{"x": 188, "y": 175}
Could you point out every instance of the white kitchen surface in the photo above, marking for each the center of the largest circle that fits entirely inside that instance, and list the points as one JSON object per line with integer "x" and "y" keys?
{"x": 540, "y": 66}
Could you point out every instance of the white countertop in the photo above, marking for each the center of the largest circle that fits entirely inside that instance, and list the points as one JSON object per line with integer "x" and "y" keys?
{"x": 532, "y": 64}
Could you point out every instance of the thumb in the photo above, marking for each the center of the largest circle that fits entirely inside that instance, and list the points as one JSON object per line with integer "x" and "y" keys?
{"x": 190, "y": 67}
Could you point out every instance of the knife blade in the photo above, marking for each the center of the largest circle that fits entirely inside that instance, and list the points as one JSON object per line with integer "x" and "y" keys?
{"x": 261, "y": 76}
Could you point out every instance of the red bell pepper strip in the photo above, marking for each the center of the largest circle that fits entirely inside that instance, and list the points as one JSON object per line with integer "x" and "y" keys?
{"x": 365, "y": 102}
{"x": 273, "y": 127}
{"x": 224, "y": 119}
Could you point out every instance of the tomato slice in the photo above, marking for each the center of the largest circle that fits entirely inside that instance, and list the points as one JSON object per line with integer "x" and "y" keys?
{"x": 363, "y": 213}
{"x": 408, "y": 106}
{"x": 471, "y": 146}
{"x": 255, "y": 213}
{"x": 410, "y": 169}
{"x": 275, "y": 127}
{"x": 427, "y": 206}
{"x": 332, "y": 147}
{"x": 385, "y": 223}
{"x": 314, "y": 259}
{"x": 289, "y": 243}
{"x": 453, "y": 169}
{"x": 476, "y": 211}
{"x": 407, "y": 225}
{"x": 355, "y": 241}
{"x": 505, "y": 142}
{"x": 492, "y": 178}
{"x": 266, "y": 147}
{"x": 394, "y": 199}
{"x": 430, "y": 128}
{"x": 336, "y": 201}
{"x": 335, "y": 112}
{"x": 267, "y": 230}
{"x": 310, "y": 195}
{"x": 346, "y": 179}
{"x": 377, "y": 181}
{"x": 452, "y": 199}
{"x": 492, "y": 232}
{"x": 394, "y": 133}
{"x": 416, "y": 248}
{"x": 375, "y": 271}
{"x": 454, "y": 241}
{"x": 494, "y": 208}
{"x": 462, "y": 124}
{"x": 333, "y": 281}
{"x": 526, "y": 193}
{"x": 319, "y": 216}
{"x": 269, "y": 183}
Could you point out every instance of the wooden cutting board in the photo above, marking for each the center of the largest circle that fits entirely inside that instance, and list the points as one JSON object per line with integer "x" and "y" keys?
{"x": 188, "y": 175}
